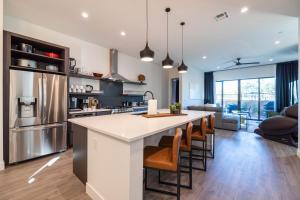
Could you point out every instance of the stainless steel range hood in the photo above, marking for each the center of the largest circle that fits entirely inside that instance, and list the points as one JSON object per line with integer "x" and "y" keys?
{"x": 113, "y": 74}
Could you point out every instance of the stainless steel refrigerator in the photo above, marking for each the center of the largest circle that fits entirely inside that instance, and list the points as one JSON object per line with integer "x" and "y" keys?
{"x": 38, "y": 115}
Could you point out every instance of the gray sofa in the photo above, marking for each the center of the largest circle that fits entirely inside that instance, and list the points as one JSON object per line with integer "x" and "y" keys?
{"x": 223, "y": 121}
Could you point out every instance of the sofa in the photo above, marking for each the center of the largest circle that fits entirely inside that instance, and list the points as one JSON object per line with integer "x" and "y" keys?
{"x": 282, "y": 128}
{"x": 222, "y": 120}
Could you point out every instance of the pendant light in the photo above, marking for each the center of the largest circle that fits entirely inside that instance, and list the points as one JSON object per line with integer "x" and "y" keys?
{"x": 182, "y": 68}
{"x": 167, "y": 63}
{"x": 147, "y": 54}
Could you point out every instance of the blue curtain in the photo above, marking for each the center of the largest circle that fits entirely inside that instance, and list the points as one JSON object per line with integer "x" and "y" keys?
{"x": 209, "y": 87}
{"x": 286, "y": 84}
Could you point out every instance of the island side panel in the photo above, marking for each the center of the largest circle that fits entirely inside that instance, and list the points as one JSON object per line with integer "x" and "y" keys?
{"x": 115, "y": 168}
{"x": 80, "y": 152}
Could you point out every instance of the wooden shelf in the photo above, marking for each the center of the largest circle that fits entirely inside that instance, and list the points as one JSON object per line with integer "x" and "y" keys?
{"x": 84, "y": 94}
{"x": 35, "y": 70}
{"x": 84, "y": 76}
{"x": 135, "y": 83}
{"x": 34, "y": 56}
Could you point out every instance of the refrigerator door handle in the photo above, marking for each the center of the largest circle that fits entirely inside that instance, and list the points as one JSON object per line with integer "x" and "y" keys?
{"x": 44, "y": 99}
{"x": 40, "y": 103}
{"x": 37, "y": 128}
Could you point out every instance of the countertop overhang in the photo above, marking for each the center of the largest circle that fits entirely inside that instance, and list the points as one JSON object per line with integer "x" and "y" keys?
{"x": 129, "y": 127}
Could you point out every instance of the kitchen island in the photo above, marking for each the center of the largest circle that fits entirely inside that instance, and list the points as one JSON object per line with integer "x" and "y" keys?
{"x": 108, "y": 151}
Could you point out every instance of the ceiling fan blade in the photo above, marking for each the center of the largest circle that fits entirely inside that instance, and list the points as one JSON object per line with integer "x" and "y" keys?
{"x": 251, "y": 63}
{"x": 231, "y": 67}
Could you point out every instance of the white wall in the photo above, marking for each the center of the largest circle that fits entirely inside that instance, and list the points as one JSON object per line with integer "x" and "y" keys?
{"x": 244, "y": 73}
{"x": 1, "y": 89}
{"x": 94, "y": 58}
{"x": 192, "y": 80}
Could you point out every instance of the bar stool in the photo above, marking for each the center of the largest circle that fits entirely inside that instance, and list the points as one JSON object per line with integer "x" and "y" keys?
{"x": 164, "y": 159}
{"x": 185, "y": 146}
{"x": 210, "y": 130}
{"x": 199, "y": 135}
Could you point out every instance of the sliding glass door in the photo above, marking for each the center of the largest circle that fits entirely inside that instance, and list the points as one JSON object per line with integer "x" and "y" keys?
{"x": 254, "y": 97}
{"x": 267, "y": 96}
{"x": 250, "y": 97}
{"x": 230, "y": 95}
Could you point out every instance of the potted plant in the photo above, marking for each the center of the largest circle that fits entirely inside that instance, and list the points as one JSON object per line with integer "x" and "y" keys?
{"x": 175, "y": 108}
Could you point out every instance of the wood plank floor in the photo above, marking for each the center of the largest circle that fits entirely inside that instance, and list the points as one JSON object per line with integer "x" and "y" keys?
{"x": 246, "y": 167}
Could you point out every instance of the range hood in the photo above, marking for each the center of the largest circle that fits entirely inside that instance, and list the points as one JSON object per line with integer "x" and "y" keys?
{"x": 113, "y": 74}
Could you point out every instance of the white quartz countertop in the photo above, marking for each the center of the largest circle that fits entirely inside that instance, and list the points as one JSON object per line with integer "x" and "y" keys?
{"x": 89, "y": 111}
{"x": 129, "y": 127}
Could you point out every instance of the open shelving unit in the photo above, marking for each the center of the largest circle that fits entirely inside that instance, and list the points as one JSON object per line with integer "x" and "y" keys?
{"x": 13, "y": 52}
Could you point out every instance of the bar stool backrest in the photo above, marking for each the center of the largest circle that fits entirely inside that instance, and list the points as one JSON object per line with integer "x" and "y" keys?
{"x": 212, "y": 122}
{"x": 203, "y": 125}
{"x": 176, "y": 146}
{"x": 189, "y": 131}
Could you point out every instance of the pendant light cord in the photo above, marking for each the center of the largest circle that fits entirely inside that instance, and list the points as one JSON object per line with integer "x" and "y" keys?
{"x": 182, "y": 41}
{"x": 167, "y": 32}
{"x": 147, "y": 21}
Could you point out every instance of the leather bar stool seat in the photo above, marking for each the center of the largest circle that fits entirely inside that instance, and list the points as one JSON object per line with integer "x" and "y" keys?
{"x": 159, "y": 157}
{"x": 199, "y": 134}
{"x": 209, "y": 130}
{"x": 165, "y": 159}
{"x": 185, "y": 146}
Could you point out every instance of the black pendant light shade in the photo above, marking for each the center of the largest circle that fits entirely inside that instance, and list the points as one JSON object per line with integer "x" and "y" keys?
{"x": 147, "y": 55}
{"x": 182, "y": 68}
{"x": 167, "y": 63}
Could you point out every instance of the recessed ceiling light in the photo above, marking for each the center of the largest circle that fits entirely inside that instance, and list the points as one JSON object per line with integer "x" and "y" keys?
{"x": 244, "y": 9}
{"x": 277, "y": 42}
{"x": 204, "y": 57}
{"x": 271, "y": 59}
{"x": 84, "y": 15}
{"x": 218, "y": 67}
{"x": 123, "y": 33}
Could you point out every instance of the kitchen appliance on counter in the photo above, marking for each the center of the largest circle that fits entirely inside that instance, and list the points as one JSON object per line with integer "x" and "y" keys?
{"x": 124, "y": 109}
{"x": 73, "y": 103}
{"x": 38, "y": 114}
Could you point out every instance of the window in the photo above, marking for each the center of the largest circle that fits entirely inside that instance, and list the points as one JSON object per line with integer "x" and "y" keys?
{"x": 250, "y": 97}
{"x": 230, "y": 95}
{"x": 267, "y": 96}
{"x": 253, "y": 96}
{"x": 219, "y": 89}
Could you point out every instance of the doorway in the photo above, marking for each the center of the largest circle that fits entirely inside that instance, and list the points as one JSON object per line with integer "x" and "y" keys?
{"x": 175, "y": 90}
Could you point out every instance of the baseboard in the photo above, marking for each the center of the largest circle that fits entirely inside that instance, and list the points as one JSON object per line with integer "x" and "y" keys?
{"x": 2, "y": 165}
{"x": 93, "y": 193}
{"x": 298, "y": 152}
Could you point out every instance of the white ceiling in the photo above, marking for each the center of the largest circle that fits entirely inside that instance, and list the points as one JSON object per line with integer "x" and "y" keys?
{"x": 249, "y": 35}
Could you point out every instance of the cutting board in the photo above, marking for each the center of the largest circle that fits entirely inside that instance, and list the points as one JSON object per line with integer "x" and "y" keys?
{"x": 163, "y": 115}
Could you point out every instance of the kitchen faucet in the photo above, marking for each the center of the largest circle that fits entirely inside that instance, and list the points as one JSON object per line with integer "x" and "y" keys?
{"x": 150, "y": 93}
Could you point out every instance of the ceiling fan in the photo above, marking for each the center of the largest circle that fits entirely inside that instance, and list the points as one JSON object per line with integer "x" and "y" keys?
{"x": 237, "y": 62}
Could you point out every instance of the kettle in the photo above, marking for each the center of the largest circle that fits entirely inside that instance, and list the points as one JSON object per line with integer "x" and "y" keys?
{"x": 89, "y": 88}
{"x": 72, "y": 64}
